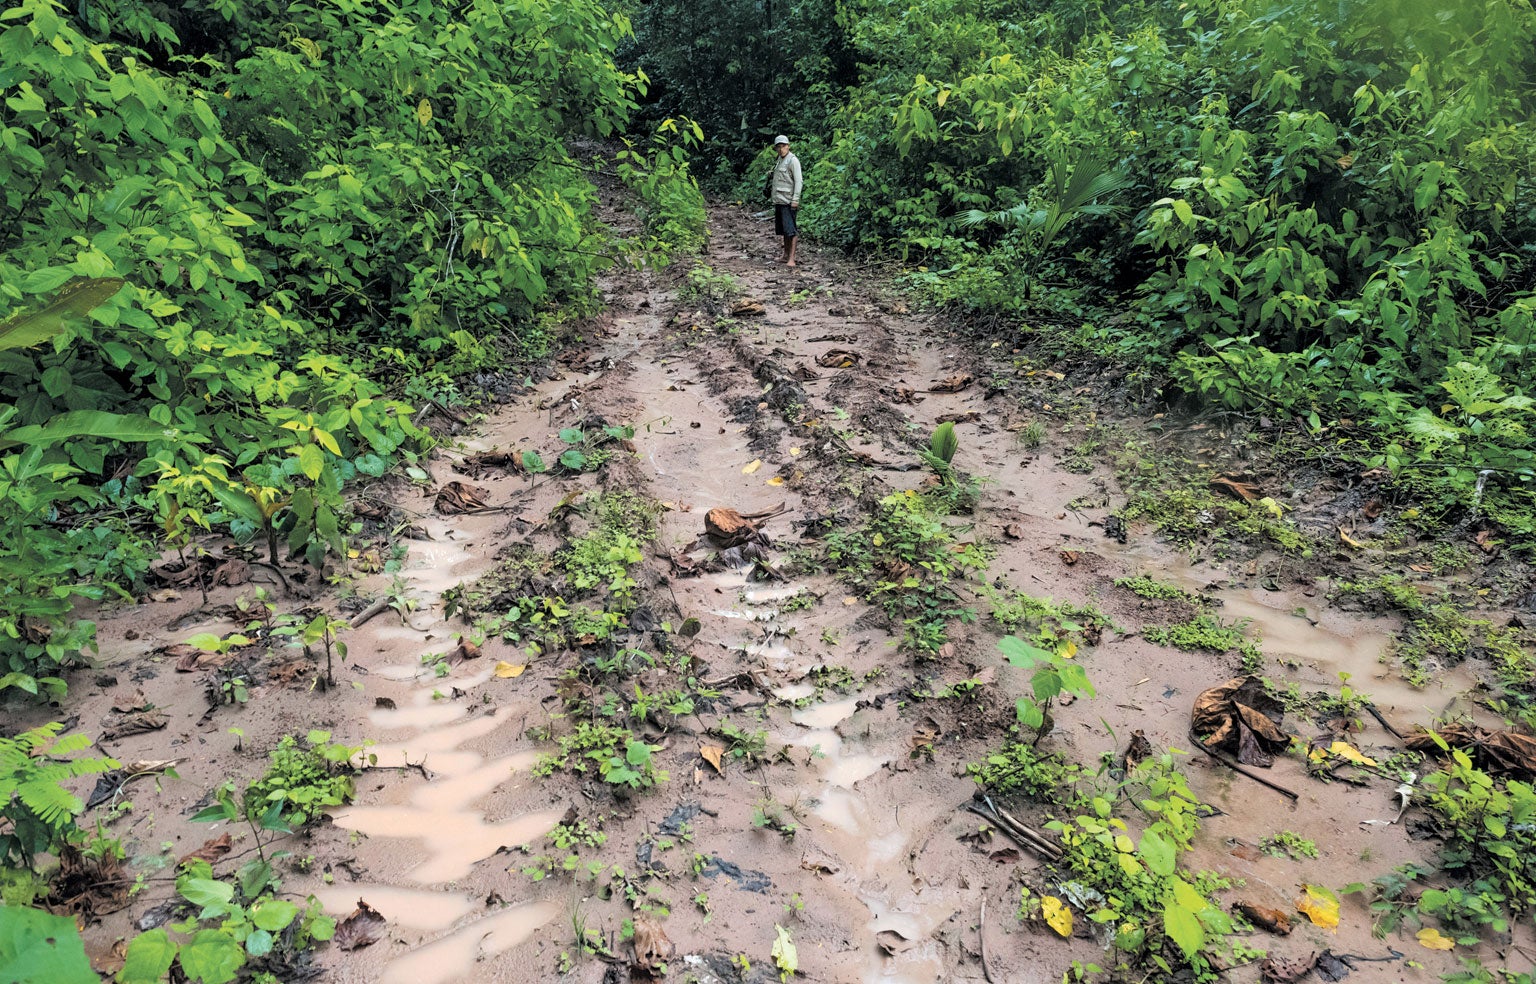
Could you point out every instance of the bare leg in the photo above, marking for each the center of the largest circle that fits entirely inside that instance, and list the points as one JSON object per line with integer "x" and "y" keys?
{"x": 789, "y": 255}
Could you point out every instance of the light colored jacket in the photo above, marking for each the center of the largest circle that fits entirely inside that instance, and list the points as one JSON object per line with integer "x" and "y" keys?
{"x": 786, "y": 180}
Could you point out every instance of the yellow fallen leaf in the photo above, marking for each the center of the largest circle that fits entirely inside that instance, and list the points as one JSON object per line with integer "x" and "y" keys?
{"x": 712, "y": 755}
{"x": 1345, "y": 538}
{"x": 1320, "y": 905}
{"x": 1430, "y": 939}
{"x": 754, "y": 466}
{"x": 850, "y": 600}
{"x": 505, "y": 670}
{"x": 1057, "y": 915}
{"x": 1067, "y": 650}
{"x": 794, "y": 452}
{"x": 1350, "y": 753}
{"x": 776, "y": 480}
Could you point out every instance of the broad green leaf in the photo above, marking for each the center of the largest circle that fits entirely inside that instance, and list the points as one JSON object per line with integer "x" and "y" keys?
{"x": 1158, "y": 852}
{"x": 74, "y": 301}
{"x": 274, "y": 914}
{"x": 213, "y": 895}
{"x": 38, "y": 947}
{"x": 128, "y": 428}
{"x": 212, "y": 957}
{"x": 149, "y": 958}
{"x": 944, "y": 442}
{"x": 1183, "y": 927}
{"x": 784, "y": 954}
{"x": 573, "y": 459}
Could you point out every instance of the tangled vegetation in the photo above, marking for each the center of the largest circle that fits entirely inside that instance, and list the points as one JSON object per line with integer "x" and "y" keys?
{"x": 242, "y": 242}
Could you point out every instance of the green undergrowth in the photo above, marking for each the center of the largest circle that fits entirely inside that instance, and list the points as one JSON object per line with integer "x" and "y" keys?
{"x": 1146, "y": 586}
{"x": 221, "y": 928}
{"x": 1122, "y": 841}
{"x": 1206, "y": 633}
{"x": 1480, "y": 881}
{"x": 1439, "y": 633}
{"x": 327, "y": 215}
{"x": 906, "y": 558}
{"x": 1198, "y": 520}
{"x": 626, "y": 679}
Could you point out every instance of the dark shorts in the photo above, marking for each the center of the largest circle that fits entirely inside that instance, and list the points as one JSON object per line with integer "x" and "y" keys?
{"x": 784, "y": 220}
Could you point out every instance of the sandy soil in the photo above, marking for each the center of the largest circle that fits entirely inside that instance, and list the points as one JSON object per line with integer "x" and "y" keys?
{"x": 432, "y": 839}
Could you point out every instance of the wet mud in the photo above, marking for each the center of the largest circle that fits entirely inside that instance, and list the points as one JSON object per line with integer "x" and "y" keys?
{"x": 879, "y": 882}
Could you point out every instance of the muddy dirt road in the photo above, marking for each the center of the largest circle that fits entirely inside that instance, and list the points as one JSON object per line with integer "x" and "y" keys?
{"x": 816, "y": 764}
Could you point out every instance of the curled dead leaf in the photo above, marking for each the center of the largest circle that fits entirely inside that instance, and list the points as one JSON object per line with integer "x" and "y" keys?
{"x": 1241, "y": 717}
{"x": 364, "y": 927}
{"x": 212, "y": 851}
{"x": 1266, "y": 918}
{"x": 460, "y": 497}
{"x": 652, "y": 947}
{"x": 712, "y": 754}
{"x": 506, "y": 671}
{"x": 952, "y": 384}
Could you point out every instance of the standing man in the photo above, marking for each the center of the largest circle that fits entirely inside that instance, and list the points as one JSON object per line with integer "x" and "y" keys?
{"x": 786, "y": 196}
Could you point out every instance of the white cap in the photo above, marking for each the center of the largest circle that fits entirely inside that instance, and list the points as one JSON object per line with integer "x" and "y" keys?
{"x": 781, "y": 138}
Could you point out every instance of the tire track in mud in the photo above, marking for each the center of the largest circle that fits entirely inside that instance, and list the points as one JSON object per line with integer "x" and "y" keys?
{"x": 876, "y": 884}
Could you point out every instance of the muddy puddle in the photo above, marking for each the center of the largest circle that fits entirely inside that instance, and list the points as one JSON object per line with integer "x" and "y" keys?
{"x": 865, "y": 862}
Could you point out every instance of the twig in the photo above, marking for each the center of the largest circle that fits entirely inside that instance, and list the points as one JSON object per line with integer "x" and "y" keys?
{"x": 1384, "y": 723}
{"x": 287, "y": 588}
{"x": 367, "y": 613}
{"x": 981, "y": 934}
{"x": 1235, "y": 767}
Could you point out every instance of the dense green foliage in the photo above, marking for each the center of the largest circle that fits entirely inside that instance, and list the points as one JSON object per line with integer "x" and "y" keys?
{"x": 1317, "y": 209}
{"x": 285, "y": 222}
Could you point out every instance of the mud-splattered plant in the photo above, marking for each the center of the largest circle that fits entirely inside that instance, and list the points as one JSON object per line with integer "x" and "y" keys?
{"x": 1052, "y": 676}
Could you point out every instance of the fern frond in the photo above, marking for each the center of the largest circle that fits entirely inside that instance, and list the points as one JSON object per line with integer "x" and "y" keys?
{"x": 50, "y": 802}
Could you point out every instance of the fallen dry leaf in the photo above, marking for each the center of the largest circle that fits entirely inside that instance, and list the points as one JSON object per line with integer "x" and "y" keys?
{"x": 212, "y": 851}
{"x": 1278, "y": 970}
{"x": 1237, "y": 487}
{"x": 1057, "y": 915}
{"x": 776, "y": 481}
{"x": 460, "y": 497}
{"x": 1264, "y": 917}
{"x": 952, "y": 384}
{"x": 652, "y": 947}
{"x": 1070, "y": 557}
{"x": 1349, "y": 541}
{"x": 1499, "y": 752}
{"x": 754, "y": 466}
{"x": 364, "y": 927}
{"x": 1241, "y": 717}
{"x": 1319, "y": 905}
{"x": 1431, "y": 939}
{"x": 838, "y": 359}
{"x": 506, "y": 671}
{"x": 747, "y": 308}
{"x": 712, "y": 755}
{"x": 133, "y": 724}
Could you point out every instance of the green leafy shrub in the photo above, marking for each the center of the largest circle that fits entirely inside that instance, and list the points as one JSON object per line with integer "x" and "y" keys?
{"x": 38, "y": 809}
{"x": 305, "y": 779}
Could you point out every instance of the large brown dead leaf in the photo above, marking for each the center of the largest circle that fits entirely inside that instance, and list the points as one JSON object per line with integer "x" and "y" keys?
{"x": 838, "y": 359}
{"x": 363, "y": 927}
{"x": 748, "y": 308}
{"x": 123, "y": 725}
{"x": 711, "y": 754}
{"x": 952, "y": 384}
{"x": 1264, "y": 917}
{"x": 652, "y": 947}
{"x": 1286, "y": 970}
{"x": 212, "y": 851}
{"x": 1500, "y": 752}
{"x": 1237, "y": 487}
{"x": 1241, "y": 717}
{"x": 460, "y": 497}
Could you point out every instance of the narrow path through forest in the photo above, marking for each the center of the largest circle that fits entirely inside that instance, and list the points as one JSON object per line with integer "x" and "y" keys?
{"x": 817, "y": 769}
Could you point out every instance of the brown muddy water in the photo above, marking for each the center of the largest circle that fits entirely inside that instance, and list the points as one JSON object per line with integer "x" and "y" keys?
{"x": 876, "y": 883}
